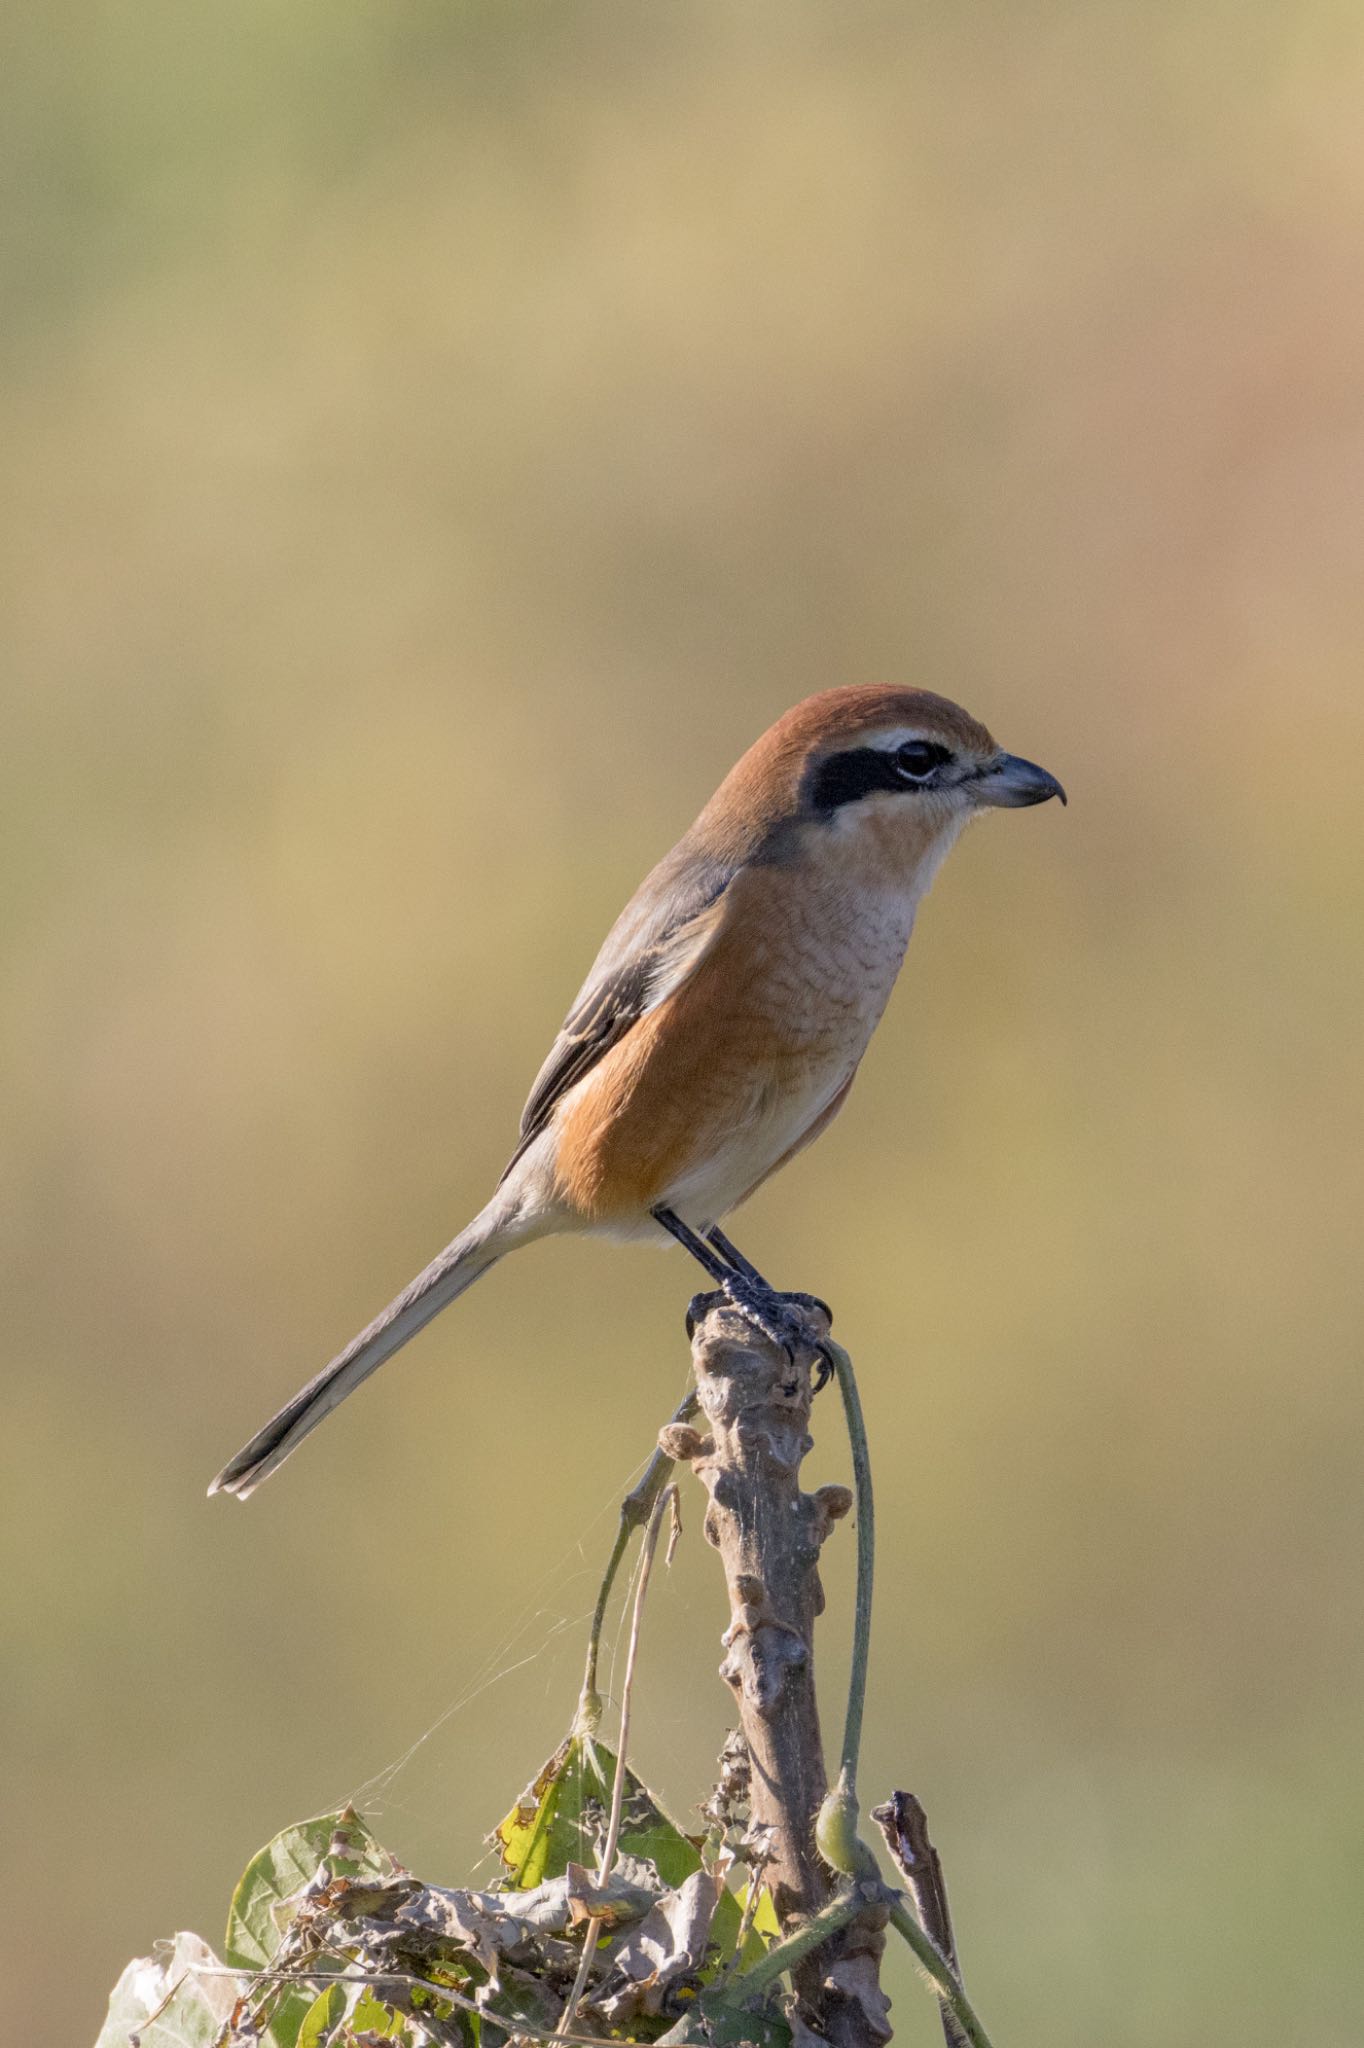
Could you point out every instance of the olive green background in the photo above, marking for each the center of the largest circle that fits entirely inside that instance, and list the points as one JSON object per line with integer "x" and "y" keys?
{"x": 437, "y": 439}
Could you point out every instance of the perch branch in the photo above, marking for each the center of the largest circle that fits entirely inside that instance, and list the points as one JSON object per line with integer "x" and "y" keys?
{"x": 756, "y": 1401}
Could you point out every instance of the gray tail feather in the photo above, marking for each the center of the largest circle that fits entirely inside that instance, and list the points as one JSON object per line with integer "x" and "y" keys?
{"x": 457, "y": 1267}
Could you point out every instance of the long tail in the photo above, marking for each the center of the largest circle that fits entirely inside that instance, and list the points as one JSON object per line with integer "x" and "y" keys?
{"x": 457, "y": 1267}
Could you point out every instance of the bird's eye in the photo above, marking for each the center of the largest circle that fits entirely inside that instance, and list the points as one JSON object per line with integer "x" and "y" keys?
{"x": 917, "y": 759}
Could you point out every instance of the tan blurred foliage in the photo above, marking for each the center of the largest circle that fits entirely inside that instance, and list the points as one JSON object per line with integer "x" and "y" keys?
{"x": 437, "y": 439}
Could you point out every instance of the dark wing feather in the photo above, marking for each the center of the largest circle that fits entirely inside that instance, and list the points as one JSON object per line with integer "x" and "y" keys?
{"x": 652, "y": 946}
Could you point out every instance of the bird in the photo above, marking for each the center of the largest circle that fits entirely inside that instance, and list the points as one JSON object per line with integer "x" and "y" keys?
{"x": 724, "y": 1018}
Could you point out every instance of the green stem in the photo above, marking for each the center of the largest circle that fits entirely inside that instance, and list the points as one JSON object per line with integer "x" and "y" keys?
{"x": 939, "y": 1972}
{"x": 836, "y": 1826}
{"x": 786, "y": 1954}
{"x": 587, "y": 1720}
{"x": 866, "y": 1559}
{"x": 635, "y": 1510}
{"x": 836, "y": 1831}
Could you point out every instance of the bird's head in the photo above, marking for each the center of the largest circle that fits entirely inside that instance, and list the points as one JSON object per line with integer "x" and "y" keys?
{"x": 891, "y": 773}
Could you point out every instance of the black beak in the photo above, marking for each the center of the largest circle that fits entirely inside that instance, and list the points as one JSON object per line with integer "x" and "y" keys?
{"x": 1010, "y": 782}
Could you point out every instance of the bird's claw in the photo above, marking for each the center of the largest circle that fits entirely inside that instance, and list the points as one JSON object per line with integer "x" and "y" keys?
{"x": 764, "y": 1311}
{"x": 784, "y": 1319}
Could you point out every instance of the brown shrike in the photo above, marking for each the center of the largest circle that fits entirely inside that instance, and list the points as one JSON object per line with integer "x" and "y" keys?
{"x": 724, "y": 1018}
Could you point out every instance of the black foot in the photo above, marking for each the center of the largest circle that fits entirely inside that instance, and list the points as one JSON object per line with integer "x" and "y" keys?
{"x": 785, "y": 1319}
{"x": 767, "y": 1310}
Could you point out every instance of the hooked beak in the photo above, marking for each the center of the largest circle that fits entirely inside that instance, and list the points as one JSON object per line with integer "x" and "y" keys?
{"x": 1011, "y": 782}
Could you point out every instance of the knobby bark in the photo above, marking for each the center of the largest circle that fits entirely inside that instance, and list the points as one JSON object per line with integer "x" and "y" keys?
{"x": 769, "y": 1533}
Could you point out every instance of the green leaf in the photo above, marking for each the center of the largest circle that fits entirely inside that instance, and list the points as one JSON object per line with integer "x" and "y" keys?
{"x": 190, "y": 2008}
{"x": 322, "y": 2018}
{"x": 729, "y": 2029}
{"x": 521, "y": 1997}
{"x": 749, "y": 2030}
{"x": 724, "y": 1927}
{"x": 266, "y": 1898}
{"x": 372, "y": 2016}
{"x": 561, "y": 1816}
{"x": 362, "y": 2012}
{"x": 260, "y": 1909}
{"x": 765, "y": 1921}
{"x": 724, "y": 1930}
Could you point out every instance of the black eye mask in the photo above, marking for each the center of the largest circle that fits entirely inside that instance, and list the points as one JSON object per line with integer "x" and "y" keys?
{"x": 844, "y": 778}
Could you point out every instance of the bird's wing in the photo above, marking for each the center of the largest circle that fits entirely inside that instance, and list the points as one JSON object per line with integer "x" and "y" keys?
{"x": 653, "y": 946}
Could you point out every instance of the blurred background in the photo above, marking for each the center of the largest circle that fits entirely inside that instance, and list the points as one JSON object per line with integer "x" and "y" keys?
{"x": 438, "y": 438}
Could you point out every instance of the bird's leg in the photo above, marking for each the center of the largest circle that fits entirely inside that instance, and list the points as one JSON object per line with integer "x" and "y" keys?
{"x": 748, "y": 1271}
{"x": 734, "y": 1258}
{"x": 780, "y": 1317}
{"x": 753, "y": 1298}
{"x": 703, "y": 1254}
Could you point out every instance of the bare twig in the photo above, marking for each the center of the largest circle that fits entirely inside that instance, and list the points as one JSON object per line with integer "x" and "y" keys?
{"x": 646, "y": 1564}
{"x": 531, "y": 2029}
{"x": 665, "y": 1498}
{"x": 635, "y": 1511}
{"x": 904, "y": 1824}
